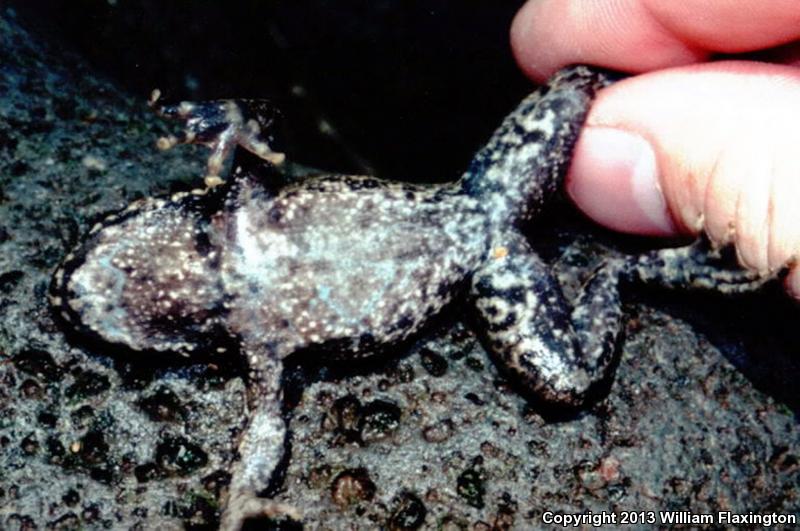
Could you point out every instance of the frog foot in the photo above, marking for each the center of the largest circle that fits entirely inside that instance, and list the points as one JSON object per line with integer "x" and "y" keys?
{"x": 221, "y": 125}
{"x": 701, "y": 266}
{"x": 250, "y": 507}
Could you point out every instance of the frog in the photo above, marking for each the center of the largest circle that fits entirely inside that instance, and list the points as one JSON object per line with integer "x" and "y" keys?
{"x": 343, "y": 267}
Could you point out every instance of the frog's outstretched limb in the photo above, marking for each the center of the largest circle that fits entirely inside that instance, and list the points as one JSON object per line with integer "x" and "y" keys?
{"x": 261, "y": 446}
{"x": 698, "y": 266}
{"x": 221, "y": 125}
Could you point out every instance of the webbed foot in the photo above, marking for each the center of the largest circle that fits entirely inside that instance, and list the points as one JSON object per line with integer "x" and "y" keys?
{"x": 699, "y": 266}
{"x": 221, "y": 125}
{"x": 250, "y": 507}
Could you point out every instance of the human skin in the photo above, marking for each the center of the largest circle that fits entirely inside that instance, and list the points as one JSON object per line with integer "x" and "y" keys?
{"x": 688, "y": 145}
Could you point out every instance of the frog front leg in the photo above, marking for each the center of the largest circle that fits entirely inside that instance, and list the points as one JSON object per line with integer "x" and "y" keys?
{"x": 262, "y": 444}
{"x": 221, "y": 125}
{"x": 556, "y": 352}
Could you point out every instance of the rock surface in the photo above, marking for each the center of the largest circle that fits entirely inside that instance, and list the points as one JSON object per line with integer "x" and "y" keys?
{"x": 702, "y": 414}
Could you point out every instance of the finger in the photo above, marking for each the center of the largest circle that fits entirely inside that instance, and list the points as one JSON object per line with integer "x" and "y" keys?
{"x": 643, "y": 35}
{"x": 709, "y": 147}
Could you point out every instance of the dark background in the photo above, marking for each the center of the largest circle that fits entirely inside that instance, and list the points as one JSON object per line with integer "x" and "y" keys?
{"x": 411, "y": 88}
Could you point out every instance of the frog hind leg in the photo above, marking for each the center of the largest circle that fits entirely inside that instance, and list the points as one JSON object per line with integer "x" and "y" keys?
{"x": 524, "y": 162}
{"x": 699, "y": 266}
{"x": 261, "y": 447}
{"x": 556, "y": 352}
{"x": 559, "y": 352}
{"x": 221, "y": 125}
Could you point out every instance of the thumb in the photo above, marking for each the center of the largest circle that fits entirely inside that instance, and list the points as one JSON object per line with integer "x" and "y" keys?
{"x": 711, "y": 147}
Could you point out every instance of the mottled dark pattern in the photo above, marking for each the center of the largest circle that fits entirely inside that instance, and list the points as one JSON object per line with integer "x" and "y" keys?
{"x": 356, "y": 263}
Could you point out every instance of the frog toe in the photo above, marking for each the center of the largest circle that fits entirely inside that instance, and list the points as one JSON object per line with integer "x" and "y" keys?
{"x": 221, "y": 125}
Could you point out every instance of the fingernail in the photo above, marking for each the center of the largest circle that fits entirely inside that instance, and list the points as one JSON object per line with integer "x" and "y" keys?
{"x": 614, "y": 180}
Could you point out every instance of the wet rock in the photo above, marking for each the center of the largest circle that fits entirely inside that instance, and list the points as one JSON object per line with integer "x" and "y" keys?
{"x": 319, "y": 476}
{"x": 435, "y": 364}
{"x": 148, "y": 472}
{"x": 55, "y": 449}
{"x": 362, "y": 424}
{"x": 163, "y": 405}
{"x": 71, "y": 498}
{"x": 47, "y": 419}
{"x": 216, "y": 481}
{"x": 82, "y": 416}
{"x": 475, "y": 399}
{"x": 199, "y": 512}
{"x": 474, "y": 363}
{"x": 39, "y": 364}
{"x": 453, "y": 523}
{"x": 9, "y": 279}
{"x": 176, "y": 455}
{"x": 90, "y": 513}
{"x": 68, "y": 521}
{"x": 409, "y": 512}
{"x": 378, "y": 420}
{"x": 504, "y": 520}
{"x": 29, "y": 445}
{"x": 135, "y": 376}
{"x": 439, "y": 431}
{"x": 93, "y": 448}
{"x": 351, "y": 487}
{"x": 471, "y": 487}
{"x": 344, "y": 417}
{"x": 784, "y": 461}
{"x": 22, "y": 522}
{"x": 401, "y": 373}
{"x": 31, "y": 389}
{"x": 87, "y": 384}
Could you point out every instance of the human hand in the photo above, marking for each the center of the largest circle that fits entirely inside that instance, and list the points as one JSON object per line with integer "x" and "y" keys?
{"x": 691, "y": 145}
